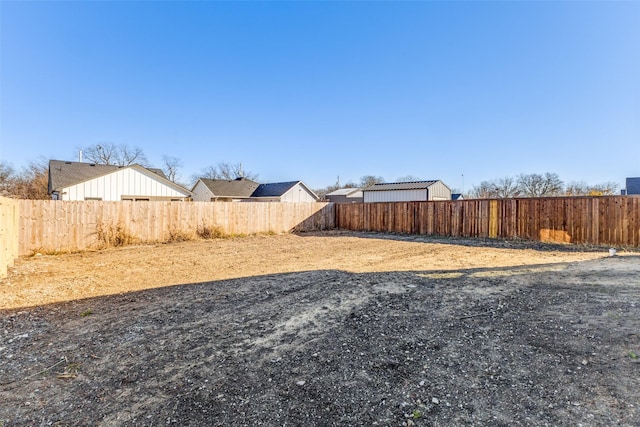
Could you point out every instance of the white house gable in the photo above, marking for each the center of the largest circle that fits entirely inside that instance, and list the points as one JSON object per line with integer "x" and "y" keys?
{"x": 124, "y": 184}
{"x": 298, "y": 193}
{"x": 201, "y": 192}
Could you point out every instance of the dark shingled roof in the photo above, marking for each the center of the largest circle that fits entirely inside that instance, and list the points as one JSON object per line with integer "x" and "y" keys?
{"x": 239, "y": 187}
{"x": 158, "y": 172}
{"x": 63, "y": 174}
{"x": 275, "y": 189}
{"x": 415, "y": 185}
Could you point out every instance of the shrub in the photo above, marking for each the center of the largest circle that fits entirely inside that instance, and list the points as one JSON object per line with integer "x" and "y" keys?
{"x": 110, "y": 235}
{"x": 180, "y": 236}
{"x": 210, "y": 232}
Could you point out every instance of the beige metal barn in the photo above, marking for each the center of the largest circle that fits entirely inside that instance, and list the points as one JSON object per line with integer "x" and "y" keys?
{"x": 407, "y": 191}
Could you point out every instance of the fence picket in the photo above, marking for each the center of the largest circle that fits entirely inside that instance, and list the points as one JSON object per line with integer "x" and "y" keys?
{"x": 604, "y": 220}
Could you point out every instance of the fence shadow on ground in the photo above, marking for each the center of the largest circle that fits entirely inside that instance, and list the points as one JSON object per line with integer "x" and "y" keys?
{"x": 484, "y": 242}
{"x": 338, "y": 347}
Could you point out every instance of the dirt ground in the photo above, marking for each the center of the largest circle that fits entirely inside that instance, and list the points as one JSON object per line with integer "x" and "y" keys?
{"x": 323, "y": 329}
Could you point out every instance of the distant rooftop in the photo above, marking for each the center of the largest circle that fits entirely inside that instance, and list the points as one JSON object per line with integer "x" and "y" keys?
{"x": 275, "y": 189}
{"x": 239, "y": 187}
{"x": 413, "y": 185}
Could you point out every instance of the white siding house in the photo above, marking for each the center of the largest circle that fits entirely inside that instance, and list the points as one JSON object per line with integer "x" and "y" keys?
{"x": 87, "y": 181}
{"x": 223, "y": 190}
{"x": 293, "y": 191}
{"x": 246, "y": 190}
{"x": 407, "y": 192}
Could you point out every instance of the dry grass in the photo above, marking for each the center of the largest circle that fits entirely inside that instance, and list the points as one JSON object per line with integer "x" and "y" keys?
{"x": 208, "y": 232}
{"x": 114, "y": 236}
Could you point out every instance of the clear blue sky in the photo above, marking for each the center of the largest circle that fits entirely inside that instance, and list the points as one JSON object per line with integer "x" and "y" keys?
{"x": 316, "y": 90}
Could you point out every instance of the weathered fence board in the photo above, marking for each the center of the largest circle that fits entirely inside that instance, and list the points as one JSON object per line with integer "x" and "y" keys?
{"x": 608, "y": 220}
{"x": 70, "y": 226}
{"x": 46, "y": 225}
{"x": 9, "y": 213}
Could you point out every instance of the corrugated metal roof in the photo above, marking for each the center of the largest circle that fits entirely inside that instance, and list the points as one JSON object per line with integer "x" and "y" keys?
{"x": 240, "y": 187}
{"x": 343, "y": 191}
{"x": 414, "y": 185}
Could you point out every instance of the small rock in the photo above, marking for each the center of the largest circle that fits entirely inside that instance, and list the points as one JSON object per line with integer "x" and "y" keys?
{"x": 435, "y": 400}
{"x": 301, "y": 382}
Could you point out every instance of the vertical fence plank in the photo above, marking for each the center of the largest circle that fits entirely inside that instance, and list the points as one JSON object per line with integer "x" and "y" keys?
{"x": 590, "y": 220}
{"x": 9, "y": 234}
{"x": 62, "y": 226}
{"x": 46, "y": 225}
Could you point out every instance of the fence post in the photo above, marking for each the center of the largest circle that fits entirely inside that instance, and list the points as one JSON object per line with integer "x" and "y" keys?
{"x": 493, "y": 219}
{"x": 8, "y": 234}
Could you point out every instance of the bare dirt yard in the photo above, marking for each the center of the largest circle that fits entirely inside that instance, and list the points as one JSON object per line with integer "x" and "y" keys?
{"x": 323, "y": 329}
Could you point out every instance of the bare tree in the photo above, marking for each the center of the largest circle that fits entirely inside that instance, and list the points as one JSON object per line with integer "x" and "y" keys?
{"x": 581, "y": 188}
{"x": 111, "y": 154}
{"x": 577, "y": 188}
{"x": 369, "y": 180}
{"x": 506, "y": 188}
{"x": 33, "y": 181}
{"x": 171, "y": 166}
{"x": 225, "y": 170}
{"x": 502, "y": 188}
{"x": 485, "y": 190}
{"x": 7, "y": 179}
{"x": 608, "y": 188}
{"x": 409, "y": 178}
{"x": 536, "y": 185}
{"x": 126, "y": 156}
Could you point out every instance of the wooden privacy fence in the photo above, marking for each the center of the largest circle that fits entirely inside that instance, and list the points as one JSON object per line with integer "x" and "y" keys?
{"x": 609, "y": 220}
{"x": 47, "y": 225}
{"x": 8, "y": 234}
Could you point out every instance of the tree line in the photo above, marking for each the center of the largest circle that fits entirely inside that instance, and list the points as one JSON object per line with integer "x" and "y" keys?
{"x": 32, "y": 181}
{"x": 539, "y": 185}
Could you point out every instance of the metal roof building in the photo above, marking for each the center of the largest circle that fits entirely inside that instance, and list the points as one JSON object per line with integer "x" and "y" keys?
{"x": 345, "y": 195}
{"x": 407, "y": 191}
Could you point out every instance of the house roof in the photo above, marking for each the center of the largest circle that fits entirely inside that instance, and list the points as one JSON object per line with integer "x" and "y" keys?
{"x": 63, "y": 174}
{"x": 158, "y": 172}
{"x": 414, "y": 185}
{"x": 279, "y": 189}
{"x": 239, "y": 187}
{"x": 344, "y": 191}
{"x": 274, "y": 189}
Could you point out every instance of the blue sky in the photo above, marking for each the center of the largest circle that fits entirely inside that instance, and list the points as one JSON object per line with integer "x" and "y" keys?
{"x": 458, "y": 91}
